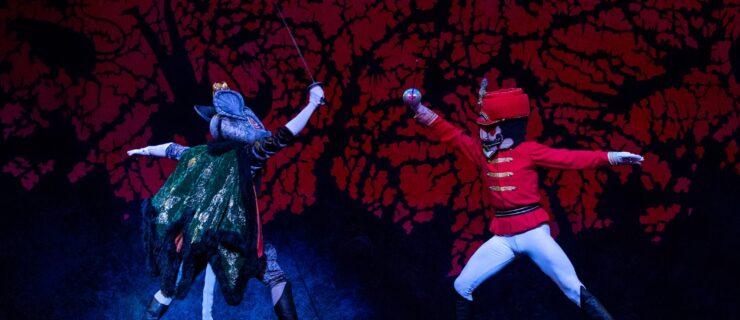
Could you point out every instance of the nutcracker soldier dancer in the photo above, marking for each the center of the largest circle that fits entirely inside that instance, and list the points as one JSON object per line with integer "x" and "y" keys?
{"x": 509, "y": 170}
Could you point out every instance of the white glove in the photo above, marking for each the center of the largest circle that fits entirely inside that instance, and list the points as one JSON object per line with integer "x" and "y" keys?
{"x": 622, "y": 157}
{"x": 412, "y": 99}
{"x": 424, "y": 115}
{"x": 154, "y": 151}
{"x": 315, "y": 95}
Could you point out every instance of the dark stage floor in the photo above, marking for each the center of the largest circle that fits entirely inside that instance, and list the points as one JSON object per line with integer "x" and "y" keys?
{"x": 71, "y": 262}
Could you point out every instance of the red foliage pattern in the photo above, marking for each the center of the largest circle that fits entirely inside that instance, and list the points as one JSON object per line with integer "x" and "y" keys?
{"x": 643, "y": 77}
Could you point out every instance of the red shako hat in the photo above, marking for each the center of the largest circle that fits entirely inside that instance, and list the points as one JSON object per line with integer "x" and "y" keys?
{"x": 503, "y": 104}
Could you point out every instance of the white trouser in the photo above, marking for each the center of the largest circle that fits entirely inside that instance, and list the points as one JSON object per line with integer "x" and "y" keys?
{"x": 208, "y": 287}
{"x": 537, "y": 244}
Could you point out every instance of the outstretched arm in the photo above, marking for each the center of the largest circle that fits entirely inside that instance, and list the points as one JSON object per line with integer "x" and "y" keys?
{"x": 441, "y": 129}
{"x": 315, "y": 96}
{"x": 265, "y": 148}
{"x": 566, "y": 159}
{"x": 170, "y": 150}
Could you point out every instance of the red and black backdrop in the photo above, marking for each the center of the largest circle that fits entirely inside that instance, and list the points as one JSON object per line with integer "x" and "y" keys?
{"x": 376, "y": 218}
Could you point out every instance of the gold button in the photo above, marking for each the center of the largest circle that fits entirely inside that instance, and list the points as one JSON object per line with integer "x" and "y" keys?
{"x": 503, "y": 188}
{"x": 499, "y": 174}
{"x": 501, "y": 160}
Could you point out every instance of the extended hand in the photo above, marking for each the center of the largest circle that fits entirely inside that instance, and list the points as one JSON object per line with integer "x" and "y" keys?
{"x": 623, "y": 157}
{"x": 412, "y": 99}
{"x": 154, "y": 151}
{"x": 316, "y": 94}
{"x": 139, "y": 152}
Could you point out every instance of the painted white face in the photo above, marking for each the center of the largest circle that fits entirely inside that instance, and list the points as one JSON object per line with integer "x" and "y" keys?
{"x": 488, "y": 134}
{"x": 492, "y": 140}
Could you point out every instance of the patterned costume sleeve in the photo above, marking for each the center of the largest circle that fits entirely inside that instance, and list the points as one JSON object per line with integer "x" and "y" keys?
{"x": 454, "y": 136}
{"x": 265, "y": 148}
{"x": 553, "y": 158}
{"x": 174, "y": 151}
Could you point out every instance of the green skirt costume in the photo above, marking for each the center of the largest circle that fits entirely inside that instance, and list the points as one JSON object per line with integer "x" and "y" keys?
{"x": 209, "y": 198}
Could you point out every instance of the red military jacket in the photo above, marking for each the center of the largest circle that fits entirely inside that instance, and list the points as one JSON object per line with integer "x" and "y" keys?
{"x": 511, "y": 175}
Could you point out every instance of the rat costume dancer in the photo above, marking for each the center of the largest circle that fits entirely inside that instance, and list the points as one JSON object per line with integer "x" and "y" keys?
{"x": 206, "y": 213}
{"x": 509, "y": 167}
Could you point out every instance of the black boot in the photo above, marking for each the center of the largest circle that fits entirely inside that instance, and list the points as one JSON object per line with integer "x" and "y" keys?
{"x": 463, "y": 308}
{"x": 285, "y": 308}
{"x": 592, "y": 307}
{"x": 155, "y": 310}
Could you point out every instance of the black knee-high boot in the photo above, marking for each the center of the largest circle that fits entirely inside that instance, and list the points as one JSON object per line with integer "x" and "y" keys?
{"x": 285, "y": 308}
{"x": 463, "y": 308}
{"x": 592, "y": 307}
{"x": 155, "y": 310}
